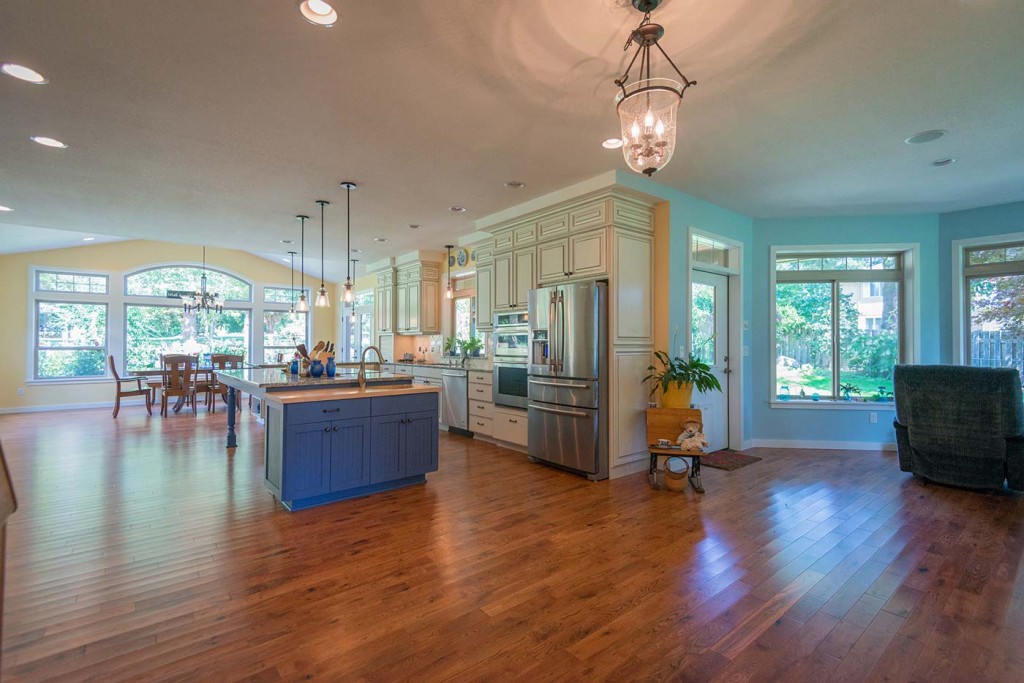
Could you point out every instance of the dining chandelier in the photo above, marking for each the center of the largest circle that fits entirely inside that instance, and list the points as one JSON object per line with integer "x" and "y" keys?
{"x": 202, "y": 299}
{"x": 648, "y": 107}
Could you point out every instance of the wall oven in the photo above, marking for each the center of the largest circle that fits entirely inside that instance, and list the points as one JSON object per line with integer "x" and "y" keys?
{"x": 511, "y": 351}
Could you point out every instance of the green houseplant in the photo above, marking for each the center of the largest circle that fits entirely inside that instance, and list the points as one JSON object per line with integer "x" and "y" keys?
{"x": 678, "y": 377}
{"x": 847, "y": 389}
{"x": 473, "y": 346}
{"x": 451, "y": 346}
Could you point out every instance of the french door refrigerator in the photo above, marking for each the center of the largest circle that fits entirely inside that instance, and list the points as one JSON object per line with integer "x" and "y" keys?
{"x": 567, "y": 382}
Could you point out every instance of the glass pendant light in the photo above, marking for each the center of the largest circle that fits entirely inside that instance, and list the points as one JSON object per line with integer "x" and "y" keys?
{"x": 321, "y": 298}
{"x": 291, "y": 288}
{"x": 352, "y": 313}
{"x": 647, "y": 107}
{"x": 349, "y": 295}
{"x": 303, "y": 305}
{"x": 448, "y": 260}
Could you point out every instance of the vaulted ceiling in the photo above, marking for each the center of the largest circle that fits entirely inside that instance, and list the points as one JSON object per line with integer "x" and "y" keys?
{"x": 216, "y": 122}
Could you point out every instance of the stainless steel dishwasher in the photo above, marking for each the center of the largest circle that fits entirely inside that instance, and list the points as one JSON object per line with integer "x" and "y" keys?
{"x": 455, "y": 394}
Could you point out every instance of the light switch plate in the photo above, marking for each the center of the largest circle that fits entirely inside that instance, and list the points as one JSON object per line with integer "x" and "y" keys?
{"x": 873, "y": 418}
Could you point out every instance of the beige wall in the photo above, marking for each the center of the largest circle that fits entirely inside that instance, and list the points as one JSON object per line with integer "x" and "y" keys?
{"x": 118, "y": 257}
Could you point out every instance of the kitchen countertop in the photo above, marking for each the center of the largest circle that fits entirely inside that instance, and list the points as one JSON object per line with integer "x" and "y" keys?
{"x": 342, "y": 393}
{"x": 270, "y": 380}
{"x": 486, "y": 366}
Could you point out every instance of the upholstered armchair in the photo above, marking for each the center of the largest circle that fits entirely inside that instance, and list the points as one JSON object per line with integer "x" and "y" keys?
{"x": 960, "y": 425}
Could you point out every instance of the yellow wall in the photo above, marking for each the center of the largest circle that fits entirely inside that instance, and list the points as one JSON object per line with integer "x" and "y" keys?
{"x": 117, "y": 257}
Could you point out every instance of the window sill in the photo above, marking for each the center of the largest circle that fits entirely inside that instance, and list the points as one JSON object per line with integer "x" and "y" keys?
{"x": 68, "y": 380}
{"x": 826, "y": 404}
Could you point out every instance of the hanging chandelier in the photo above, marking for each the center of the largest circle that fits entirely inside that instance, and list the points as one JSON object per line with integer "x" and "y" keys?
{"x": 201, "y": 299}
{"x": 647, "y": 107}
{"x": 321, "y": 297}
{"x": 303, "y": 305}
{"x": 349, "y": 295}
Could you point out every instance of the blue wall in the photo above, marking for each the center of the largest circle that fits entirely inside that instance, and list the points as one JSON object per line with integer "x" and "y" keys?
{"x": 839, "y": 424}
{"x": 685, "y": 212}
{"x": 985, "y": 222}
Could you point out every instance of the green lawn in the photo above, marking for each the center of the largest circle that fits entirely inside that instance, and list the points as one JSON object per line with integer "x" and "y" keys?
{"x": 812, "y": 382}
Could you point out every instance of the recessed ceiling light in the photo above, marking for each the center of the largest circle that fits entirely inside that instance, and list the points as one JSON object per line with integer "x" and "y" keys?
{"x": 88, "y": 239}
{"x": 5, "y": 208}
{"x": 944, "y": 162}
{"x": 457, "y": 209}
{"x": 925, "y": 136}
{"x": 287, "y": 241}
{"x": 318, "y": 12}
{"x": 357, "y": 251}
{"x": 285, "y": 259}
{"x": 414, "y": 226}
{"x": 48, "y": 142}
{"x": 24, "y": 73}
{"x": 380, "y": 239}
{"x": 612, "y": 143}
{"x": 515, "y": 184}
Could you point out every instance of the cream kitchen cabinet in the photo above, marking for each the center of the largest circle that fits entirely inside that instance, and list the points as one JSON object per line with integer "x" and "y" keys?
{"x": 580, "y": 256}
{"x": 525, "y": 271}
{"x": 417, "y": 300}
{"x": 485, "y": 298}
{"x": 384, "y": 302}
{"x": 503, "y": 294}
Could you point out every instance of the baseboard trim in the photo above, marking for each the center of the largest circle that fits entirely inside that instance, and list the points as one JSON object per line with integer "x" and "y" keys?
{"x": 109, "y": 405}
{"x": 825, "y": 445}
{"x": 626, "y": 469}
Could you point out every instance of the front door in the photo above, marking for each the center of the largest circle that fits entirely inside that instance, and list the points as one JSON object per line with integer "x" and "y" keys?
{"x": 709, "y": 339}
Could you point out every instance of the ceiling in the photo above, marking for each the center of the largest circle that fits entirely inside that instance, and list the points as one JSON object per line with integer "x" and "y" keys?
{"x": 216, "y": 122}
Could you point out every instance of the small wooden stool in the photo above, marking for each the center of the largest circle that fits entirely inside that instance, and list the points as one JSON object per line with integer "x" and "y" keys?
{"x": 667, "y": 423}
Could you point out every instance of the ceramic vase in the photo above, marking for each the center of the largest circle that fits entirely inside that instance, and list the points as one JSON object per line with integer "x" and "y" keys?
{"x": 294, "y": 367}
{"x": 316, "y": 368}
{"x": 330, "y": 368}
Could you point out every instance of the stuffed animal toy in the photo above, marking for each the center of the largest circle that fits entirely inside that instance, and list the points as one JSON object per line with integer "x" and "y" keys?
{"x": 691, "y": 438}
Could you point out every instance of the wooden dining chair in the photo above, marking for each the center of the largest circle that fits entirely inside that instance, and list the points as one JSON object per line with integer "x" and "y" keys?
{"x": 125, "y": 388}
{"x": 179, "y": 376}
{"x": 226, "y": 361}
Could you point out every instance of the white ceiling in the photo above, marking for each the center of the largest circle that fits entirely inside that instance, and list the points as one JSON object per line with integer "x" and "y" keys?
{"x": 216, "y": 122}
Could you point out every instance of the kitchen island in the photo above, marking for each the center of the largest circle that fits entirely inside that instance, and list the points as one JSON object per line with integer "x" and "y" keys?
{"x": 328, "y": 439}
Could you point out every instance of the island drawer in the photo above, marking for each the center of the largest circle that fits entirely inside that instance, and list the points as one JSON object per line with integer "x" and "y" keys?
{"x": 481, "y": 408}
{"x": 481, "y": 425}
{"x": 480, "y": 377}
{"x": 326, "y": 411}
{"x": 480, "y": 392}
{"x": 407, "y": 403}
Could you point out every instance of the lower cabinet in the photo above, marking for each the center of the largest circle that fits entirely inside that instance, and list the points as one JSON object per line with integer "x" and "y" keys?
{"x": 312, "y": 459}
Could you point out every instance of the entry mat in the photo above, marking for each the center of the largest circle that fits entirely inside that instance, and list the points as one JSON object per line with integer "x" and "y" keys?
{"x": 727, "y": 459}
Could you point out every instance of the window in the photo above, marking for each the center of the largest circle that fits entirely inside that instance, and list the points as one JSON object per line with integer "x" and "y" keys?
{"x": 283, "y": 295}
{"x": 80, "y": 283}
{"x": 838, "y": 324}
{"x": 358, "y": 325}
{"x": 71, "y": 339}
{"x": 994, "y": 283}
{"x": 709, "y": 252}
{"x": 282, "y": 332}
{"x": 168, "y": 281}
{"x": 153, "y": 331}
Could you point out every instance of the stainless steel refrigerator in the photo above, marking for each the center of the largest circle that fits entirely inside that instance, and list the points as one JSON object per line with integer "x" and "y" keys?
{"x": 567, "y": 381}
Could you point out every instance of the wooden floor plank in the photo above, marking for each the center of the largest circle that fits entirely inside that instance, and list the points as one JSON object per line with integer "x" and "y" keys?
{"x": 147, "y": 552}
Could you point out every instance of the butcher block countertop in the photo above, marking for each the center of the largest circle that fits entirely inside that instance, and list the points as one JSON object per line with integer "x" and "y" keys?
{"x": 342, "y": 393}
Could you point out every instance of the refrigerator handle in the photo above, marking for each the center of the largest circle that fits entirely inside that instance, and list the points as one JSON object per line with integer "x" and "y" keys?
{"x": 561, "y": 332}
{"x": 552, "y": 346}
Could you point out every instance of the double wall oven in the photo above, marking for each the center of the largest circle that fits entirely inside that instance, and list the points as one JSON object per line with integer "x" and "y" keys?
{"x": 511, "y": 341}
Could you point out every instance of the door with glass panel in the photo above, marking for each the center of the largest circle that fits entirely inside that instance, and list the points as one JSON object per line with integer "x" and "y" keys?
{"x": 709, "y": 340}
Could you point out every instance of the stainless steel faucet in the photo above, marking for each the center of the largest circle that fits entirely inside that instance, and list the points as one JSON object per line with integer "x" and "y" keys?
{"x": 362, "y": 363}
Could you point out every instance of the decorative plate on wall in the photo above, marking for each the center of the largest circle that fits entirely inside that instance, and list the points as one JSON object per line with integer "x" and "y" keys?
{"x": 462, "y": 257}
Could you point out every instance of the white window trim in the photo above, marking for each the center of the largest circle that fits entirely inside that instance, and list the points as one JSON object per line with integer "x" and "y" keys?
{"x": 959, "y": 288}
{"x": 911, "y": 318}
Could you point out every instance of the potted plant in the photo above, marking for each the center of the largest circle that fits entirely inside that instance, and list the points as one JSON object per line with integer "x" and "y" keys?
{"x": 451, "y": 346}
{"x": 678, "y": 377}
{"x": 473, "y": 346}
{"x": 848, "y": 389}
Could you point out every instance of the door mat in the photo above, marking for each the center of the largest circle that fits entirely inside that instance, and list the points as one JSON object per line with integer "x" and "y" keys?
{"x": 728, "y": 459}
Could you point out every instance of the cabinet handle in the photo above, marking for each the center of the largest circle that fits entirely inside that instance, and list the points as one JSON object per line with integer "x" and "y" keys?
{"x": 332, "y": 410}
{"x": 515, "y": 422}
{"x": 335, "y": 429}
{"x": 479, "y": 424}
{"x": 327, "y": 429}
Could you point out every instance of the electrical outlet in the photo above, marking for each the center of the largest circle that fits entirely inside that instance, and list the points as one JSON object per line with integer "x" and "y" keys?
{"x": 873, "y": 418}
{"x": 682, "y": 351}
{"x": 21, "y": 391}
{"x": 746, "y": 350}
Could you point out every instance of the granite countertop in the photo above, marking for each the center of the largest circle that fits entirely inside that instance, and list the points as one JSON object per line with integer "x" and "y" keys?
{"x": 276, "y": 380}
{"x": 477, "y": 364}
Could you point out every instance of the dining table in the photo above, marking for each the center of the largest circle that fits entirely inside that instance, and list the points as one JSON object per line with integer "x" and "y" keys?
{"x": 203, "y": 373}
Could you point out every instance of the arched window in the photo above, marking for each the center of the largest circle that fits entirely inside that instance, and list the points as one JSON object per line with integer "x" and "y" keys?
{"x": 159, "y": 324}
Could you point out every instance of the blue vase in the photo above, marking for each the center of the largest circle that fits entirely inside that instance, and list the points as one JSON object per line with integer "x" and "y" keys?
{"x": 316, "y": 368}
{"x": 330, "y": 367}
{"x": 294, "y": 367}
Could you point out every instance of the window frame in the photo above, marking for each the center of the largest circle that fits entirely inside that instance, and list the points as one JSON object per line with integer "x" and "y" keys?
{"x": 188, "y": 264}
{"x": 105, "y": 348}
{"x": 962, "y": 272}
{"x": 910, "y": 306}
{"x": 348, "y": 325}
{"x": 67, "y": 271}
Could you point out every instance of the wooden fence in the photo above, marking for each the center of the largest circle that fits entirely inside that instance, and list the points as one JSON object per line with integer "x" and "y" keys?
{"x": 996, "y": 350}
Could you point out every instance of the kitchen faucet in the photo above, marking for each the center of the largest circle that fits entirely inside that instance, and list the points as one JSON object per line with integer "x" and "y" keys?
{"x": 362, "y": 363}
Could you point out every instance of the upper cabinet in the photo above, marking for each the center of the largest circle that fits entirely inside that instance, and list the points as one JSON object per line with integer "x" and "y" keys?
{"x": 417, "y": 298}
{"x": 514, "y": 275}
{"x": 384, "y": 301}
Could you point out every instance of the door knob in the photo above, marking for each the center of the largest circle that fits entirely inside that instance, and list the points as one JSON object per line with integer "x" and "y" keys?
{"x": 327, "y": 429}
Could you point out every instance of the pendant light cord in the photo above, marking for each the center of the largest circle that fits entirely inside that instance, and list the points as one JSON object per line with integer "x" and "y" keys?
{"x": 348, "y": 231}
{"x": 322, "y": 244}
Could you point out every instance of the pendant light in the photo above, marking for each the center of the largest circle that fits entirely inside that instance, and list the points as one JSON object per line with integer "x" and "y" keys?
{"x": 352, "y": 313}
{"x": 291, "y": 288}
{"x": 202, "y": 300}
{"x": 349, "y": 295}
{"x": 321, "y": 298}
{"x": 448, "y": 261}
{"x": 647, "y": 108}
{"x": 303, "y": 305}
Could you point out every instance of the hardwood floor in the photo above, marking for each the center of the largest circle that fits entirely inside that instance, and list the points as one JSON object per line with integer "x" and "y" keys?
{"x": 142, "y": 551}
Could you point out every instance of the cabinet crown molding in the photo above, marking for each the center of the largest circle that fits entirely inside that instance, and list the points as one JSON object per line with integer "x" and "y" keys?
{"x": 621, "y": 208}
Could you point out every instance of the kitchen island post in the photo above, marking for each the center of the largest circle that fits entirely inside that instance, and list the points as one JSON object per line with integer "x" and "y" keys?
{"x": 328, "y": 439}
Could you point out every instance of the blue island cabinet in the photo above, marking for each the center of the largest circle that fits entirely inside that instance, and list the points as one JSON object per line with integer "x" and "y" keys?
{"x": 320, "y": 452}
